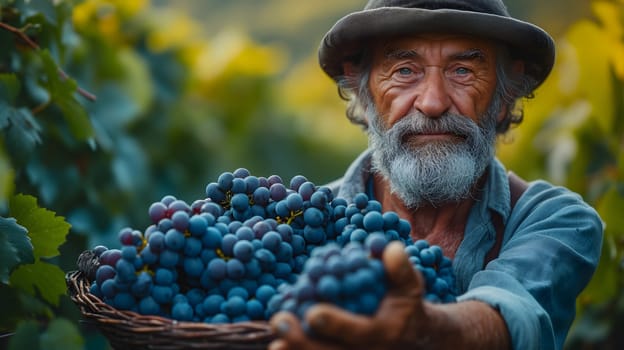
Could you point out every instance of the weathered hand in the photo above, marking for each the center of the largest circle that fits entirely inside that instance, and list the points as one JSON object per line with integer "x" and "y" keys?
{"x": 395, "y": 325}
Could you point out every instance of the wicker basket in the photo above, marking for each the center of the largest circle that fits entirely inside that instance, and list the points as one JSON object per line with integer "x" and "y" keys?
{"x": 130, "y": 330}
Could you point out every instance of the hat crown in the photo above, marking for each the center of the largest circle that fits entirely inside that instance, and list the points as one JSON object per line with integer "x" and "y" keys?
{"x": 495, "y": 7}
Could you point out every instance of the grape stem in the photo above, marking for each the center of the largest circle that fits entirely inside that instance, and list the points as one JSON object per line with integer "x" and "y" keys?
{"x": 33, "y": 45}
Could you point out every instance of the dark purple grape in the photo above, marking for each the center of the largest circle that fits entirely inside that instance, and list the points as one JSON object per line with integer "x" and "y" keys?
{"x": 110, "y": 257}
{"x": 157, "y": 211}
{"x": 241, "y": 173}
{"x": 297, "y": 181}
{"x": 99, "y": 249}
{"x": 103, "y": 273}
{"x": 278, "y": 192}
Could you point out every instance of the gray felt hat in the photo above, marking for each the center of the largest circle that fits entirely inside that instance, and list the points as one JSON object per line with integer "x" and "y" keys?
{"x": 346, "y": 40}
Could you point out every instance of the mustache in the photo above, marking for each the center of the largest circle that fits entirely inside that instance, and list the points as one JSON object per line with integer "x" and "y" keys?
{"x": 417, "y": 124}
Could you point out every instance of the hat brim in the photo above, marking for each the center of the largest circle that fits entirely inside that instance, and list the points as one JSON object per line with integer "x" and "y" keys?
{"x": 347, "y": 39}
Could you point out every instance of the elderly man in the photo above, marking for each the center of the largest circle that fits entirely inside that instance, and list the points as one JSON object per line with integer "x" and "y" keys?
{"x": 433, "y": 82}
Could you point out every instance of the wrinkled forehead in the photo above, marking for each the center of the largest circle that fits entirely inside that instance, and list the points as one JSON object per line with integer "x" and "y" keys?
{"x": 445, "y": 45}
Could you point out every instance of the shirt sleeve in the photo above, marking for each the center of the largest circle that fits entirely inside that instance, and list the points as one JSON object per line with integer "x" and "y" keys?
{"x": 551, "y": 248}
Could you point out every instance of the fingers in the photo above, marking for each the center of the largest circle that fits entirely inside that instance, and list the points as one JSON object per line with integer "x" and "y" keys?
{"x": 291, "y": 335}
{"x": 330, "y": 322}
{"x": 400, "y": 273}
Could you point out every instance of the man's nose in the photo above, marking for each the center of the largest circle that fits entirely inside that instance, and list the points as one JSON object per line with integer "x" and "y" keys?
{"x": 433, "y": 99}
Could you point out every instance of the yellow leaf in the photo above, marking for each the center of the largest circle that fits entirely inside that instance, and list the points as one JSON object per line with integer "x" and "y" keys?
{"x": 232, "y": 53}
{"x": 609, "y": 15}
{"x": 593, "y": 52}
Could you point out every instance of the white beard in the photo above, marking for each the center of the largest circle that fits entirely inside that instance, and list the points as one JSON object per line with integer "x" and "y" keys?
{"x": 435, "y": 173}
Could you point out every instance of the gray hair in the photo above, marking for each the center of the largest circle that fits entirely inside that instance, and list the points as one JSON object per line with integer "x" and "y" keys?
{"x": 511, "y": 88}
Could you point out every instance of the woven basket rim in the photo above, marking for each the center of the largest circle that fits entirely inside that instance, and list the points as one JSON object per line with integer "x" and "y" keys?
{"x": 129, "y": 329}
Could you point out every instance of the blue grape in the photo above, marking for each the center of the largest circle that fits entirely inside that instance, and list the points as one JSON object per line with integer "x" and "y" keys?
{"x": 243, "y": 251}
{"x": 266, "y": 259}
{"x": 124, "y": 301}
{"x": 373, "y": 221}
{"x": 238, "y": 186}
{"x": 255, "y": 310}
{"x": 294, "y": 201}
{"x": 108, "y": 288}
{"x": 217, "y": 269}
{"x": 182, "y": 311}
{"x": 376, "y": 243}
{"x": 192, "y": 246}
{"x": 163, "y": 276}
{"x": 142, "y": 285}
{"x": 156, "y": 241}
{"x": 162, "y": 294}
{"x": 225, "y": 181}
{"x": 241, "y": 173}
{"x": 235, "y": 269}
{"x": 193, "y": 266}
{"x": 197, "y": 225}
{"x": 234, "y": 306}
{"x": 271, "y": 241}
{"x": 264, "y": 293}
{"x": 240, "y": 202}
{"x": 245, "y": 233}
{"x": 212, "y": 238}
{"x": 238, "y": 291}
{"x": 212, "y": 304}
{"x": 103, "y": 273}
{"x": 313, "y": 217}
{"x": 168, "y": 258}
{"x": 174, "y": 240}
{"x": 149, "y": 306}
{"x": 306, "y": 190}
{"x": 219, "y": 318}
{"x": 180, "y": 220}
{"x": 328, "y": 288}
{"x": 126, "y": 272}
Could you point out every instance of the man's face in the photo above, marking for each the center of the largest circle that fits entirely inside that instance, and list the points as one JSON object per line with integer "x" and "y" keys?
{"x": 433, "y": 74}
{"x": 432, "y": 116}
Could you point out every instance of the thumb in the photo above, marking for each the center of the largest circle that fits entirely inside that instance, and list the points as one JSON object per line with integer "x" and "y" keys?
{"x": 400, "y": 273}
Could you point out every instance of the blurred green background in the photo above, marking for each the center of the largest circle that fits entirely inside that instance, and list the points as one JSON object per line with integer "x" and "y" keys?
{"x": 187, "y": 89}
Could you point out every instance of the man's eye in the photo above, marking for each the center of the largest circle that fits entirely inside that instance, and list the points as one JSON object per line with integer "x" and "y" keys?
{"x": 462, "y": 71}
{"x": 405, "y": 71}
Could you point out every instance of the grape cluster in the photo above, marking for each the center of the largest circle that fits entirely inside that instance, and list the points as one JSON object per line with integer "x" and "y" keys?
{"x": 348, "y": 276}
{"x": 352, "y": 276}
{"x": 223, "y": 258}
{"x": 436, "y": 269}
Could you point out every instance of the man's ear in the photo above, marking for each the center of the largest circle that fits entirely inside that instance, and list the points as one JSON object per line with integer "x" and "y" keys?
{"x": 517, "y": 67}
{"x": 349, "y": 69}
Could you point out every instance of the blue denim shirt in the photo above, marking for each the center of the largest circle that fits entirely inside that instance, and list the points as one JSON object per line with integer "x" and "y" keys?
{"x": 551, "y": 247}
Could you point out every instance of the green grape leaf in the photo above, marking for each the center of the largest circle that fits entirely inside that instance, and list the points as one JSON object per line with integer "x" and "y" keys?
{"x": 62, "y": 90}
{"x": 46, "y": 230}
{"x": 15, "y": 247}
{"x": 9, "y": 88}
{"x": 23, "y": 135}
{"x": 61, "y": 334}
{"x": 76, "y": 116}
{"x": 42, "y": 277}
{"x": 7, "y": 176}
{"x": 26, "y": 336}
